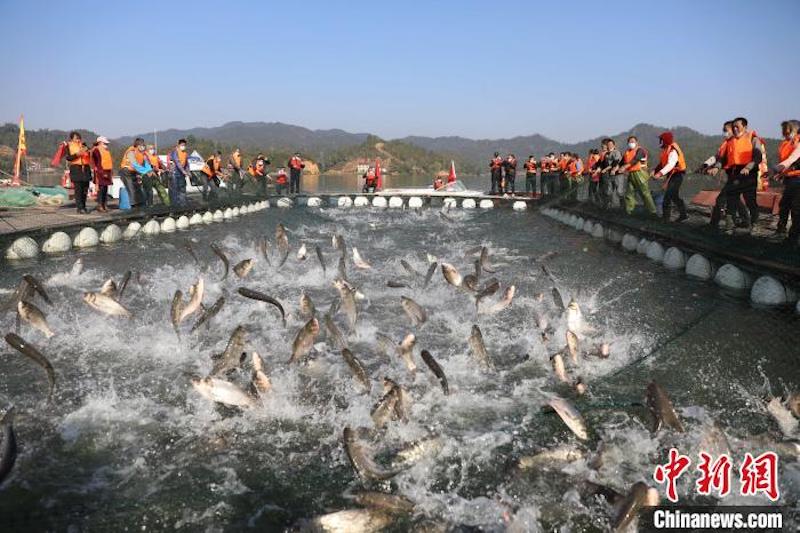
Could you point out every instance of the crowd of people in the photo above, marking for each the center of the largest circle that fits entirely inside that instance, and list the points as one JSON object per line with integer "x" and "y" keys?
{"x": 622, "y": 177}
{"x": 145, "y": 175}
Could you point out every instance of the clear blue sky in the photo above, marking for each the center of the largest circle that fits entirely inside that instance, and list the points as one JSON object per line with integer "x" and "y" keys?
{"x": 568, "y": 70}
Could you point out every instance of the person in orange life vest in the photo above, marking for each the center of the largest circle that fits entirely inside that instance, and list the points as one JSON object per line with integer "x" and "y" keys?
{"x": 370, "y": 180}
{"x": 103, "y": 165}
{"x": 510, "y": 174}
{"x": 634, "y": 163}
{"x": 721, "y": 205}
{"x": 496, "y": 170}
{"x": 561, "y": 172}
{"x": 788, "y": 170}
{"x": 296, "y": 167}
{"x": 549, "y": 176}
{"x": 259, "y": 172}
{"x": 78, "y": 159}
{"x": 179, "y": 160}
{"x": 574, "y": 172}
{"x": 530, "y": 175}
{"x": 237, "y": 180}
{"x": 593, "y": 175}
{"x": 743, "y": 153}
{"x": 213, "y": 171}
{"x": 612, "y": 182}
{"x": 132, "y": 168}
{"x": 281, "y": 181}
{"x": 672, "y": 168}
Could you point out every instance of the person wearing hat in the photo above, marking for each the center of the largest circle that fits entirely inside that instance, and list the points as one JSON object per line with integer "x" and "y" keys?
{"x": 179, "y": 160}
{"x": 103, "y": 166}
{"x": 496, "y": 169}
{"x": 78, "y": 159}
{"x": 530, "y": 175}
{"x": 672, "y": 168}
{"x": 296, "y": 166}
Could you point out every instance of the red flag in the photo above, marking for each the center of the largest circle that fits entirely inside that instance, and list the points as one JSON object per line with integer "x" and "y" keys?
{"x": 378, "y": 174}
{"x": 59, "y": 155}
{"x": 452, "y": 176}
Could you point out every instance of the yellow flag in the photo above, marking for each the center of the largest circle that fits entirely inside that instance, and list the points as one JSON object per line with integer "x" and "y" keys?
{"x": 21, "y": 146}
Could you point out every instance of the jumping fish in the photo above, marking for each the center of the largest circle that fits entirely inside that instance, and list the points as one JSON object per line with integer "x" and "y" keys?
{"x": 105, "y": 304}
{"x": 196, "y": 292}
{"x": 302, "y": 253}
{"x": 436, "y": 369}
{"x": 233, "y": 355}
{"x": 639, "y": 496}
{"x": 472, "y": 251}
{"x": 259, "y": 380}
{"x": 552, "y": 458}
{"x": 342, "y": 267}
{"x": 386, "y": 345}
{"x": 429, "y": 274}
{"x": 486, "y": 291}
{"x": 661, "y": 407}
{"x": 8, "y": 451}
{"x": 307, "y": 309}
{"x": 559, "y": 369}
{"x": 77, "y": 267}
{"x": 413, "y": 310}
{"x": 408, "y": 268}
{"x": 109, "y": 288}
{"x": 505, "y": 301}
{"x": 35, "y": 317}
{"x": 37, "y": 286}
{"x": 570, "y": 416}
{"x": 793, "y": 403}
{"x": 572, "y": 346}
{"x": 357, "y": 368}
{"x": 386, "y": 407}
{"x": 358, "y": 261}
{"x": 208, "y": 314}
{"x": 451, "y": 275}
{"x": 470, "y": 282}
{"x": 348, "y": 302}
{"x": 321, "y": 259}
{"x": 558, "y": 300}
{"x": 304, "y": 340}
{"x": 243, "y": 268}
{"x": 350, "y": 521}
{"x": 783, "y": 416}
{"x": 337, "y": 241}
{"x": 222, "y": 391}
{"x": 413, "y": 453}
{"x": 175, "y": 310}
{"x": 282, "y": 242}
{"x": 478, "y": 349}
{"x": 406, "y": 351}
{"x": 484, "y": 259}
{"x": 30, "y": 351}
{"x": 124, "y": 284}
{"x": 263, "y": 246}
{"x": 255, "y": 295}
{"x": 360, "y": 459}
{"x": 216, "y": 249}
{"x": 574, "y": 316}
{"x": 336, "y": 337}
{"x": 393, "y": 284}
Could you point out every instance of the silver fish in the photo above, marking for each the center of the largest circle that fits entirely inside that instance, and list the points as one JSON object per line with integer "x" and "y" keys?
{"x": 386, "y": 407}
{"x": 196, "y": 292}
{"x": 390, "y": 503}
{"x": 350, "y": 521}
{"x": 222, "y": 391}
{"x": 335, "y": 336}
{"x": 259, "y": 381}
{"x": 302, "y": 253}
{"x": 282, "y": 242}
{"x": 570, "y": 416}
{"x": 361, "y": 460}
{"x": 488, "y": 290}
{"x": 307, "y": 309}
{"x": 233, "y": 355}
{"x": 451, "y": 275}
{"x": 574, "y": 316}
{"x": 661, "y": 407}
{"x": 124, "y": 284}
{"x": 357, "y": 368}
{"x": 429, "y": 275}
{"x": 557, "y": 299}
{"x": 783, "y": 417}
{"x": 208, "y": 314}
{"x": 243, "y": 268}
{"x": 348, "y": 303}
{"x": 175, "y": 310}
{"x": 358, "y": 261}
{"x": 414, "y": 311}
{"x": 35, "y": 317}
{"x": 505, "y": 301}
{"x": 552, "y": 458}
{"x": 485, "y": 266}
{"x": 559, "y": 369}
{"x": 572, "y": 346}
{"x": 639, "y": 496}
{"x": 263, "y": 246}
{"x": 304, "y": 340}
{"x": 109, "y": 288}
{"x": 216, "y": 249}
{"x": 478, "y": 349}
{"x": 408, "y": 268}
{"x": 470, "y": 282}
{"x": 436, "y": 369}
{"x": 416, "y": 451}
{"x": 105, "y": 304}
{"x": 406, "y": 351}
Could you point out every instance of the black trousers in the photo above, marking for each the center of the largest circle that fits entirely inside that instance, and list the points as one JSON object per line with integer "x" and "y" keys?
{"x": 549, "y": 184}
{"x": 294, "y": 181}
{"x": 745, "y": 186}
{"x": 673, "y": 195}
{"x": 723, "y": 203}
{"x": 511, "y": 183}
{"x": 594, "y": 191}
{"x": 497, "y": 185}
{"x": 790, "y": 205}
{"x": 80, "y": 175}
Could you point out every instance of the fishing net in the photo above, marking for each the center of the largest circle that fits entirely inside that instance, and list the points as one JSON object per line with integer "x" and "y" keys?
{"x": 30, "y": 196}
{"x": 17, "y": 198}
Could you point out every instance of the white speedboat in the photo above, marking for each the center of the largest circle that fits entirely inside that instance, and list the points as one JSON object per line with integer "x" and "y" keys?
{"x": 455, "y": 188}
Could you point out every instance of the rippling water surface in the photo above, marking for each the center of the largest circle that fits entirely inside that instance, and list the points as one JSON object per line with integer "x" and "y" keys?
{"x": 128, "y": 443}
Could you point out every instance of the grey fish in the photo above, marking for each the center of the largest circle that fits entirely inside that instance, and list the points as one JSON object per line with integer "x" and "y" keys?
{"x": 260, "y": 296}
{"x": 451, "y": 275}
{"x": 391, "y": 503}
{"x": 175, "y": 310}
{"x": 216, "y": 249}
{"x": 554, "y": 457}
{"x": 233, "y": 355}
{"x": 558, "y": 300}
{"x": 486, "y": 291}
{"x": 30, "y": 351}
{"x": 321, "y": 260}
{"x": 661, "y": 407}
{"x": 386, "y": 408}
{"x": 408, "y": 268}
{"x": 208, "y": 314}
{"x": 478, "y": 349}
{"x": 23, "y": 292}
{"x": 37, "y": 286}
{"x": 570, "y": 416}
{"x": 357, "y": 368}
{"x": 282, "y": 242}
{"x": 263, "y": 246}
{"x": 124, "y": 284}
{"x": 307, "y": 309}
{"x": 436, "y": 369}
{"x": 304, "y": 340}
{"x": 336, "y": 336}
{"x": 243, "y": 268}
{"x": 414, "y": 311}
{"x": 360, "y": 459}
{"x": 411, "y": 454}
{"x": 639, "y": 496}
{"x": 429, "y": 275}
{"x": 35, "y": 317}
{"x": 470, "y": 282}
{"x": 484, "y": 260}
{"x": 393, "y": 284}
{"x": 348, "y": 302}
{"x": 8, "y": 452}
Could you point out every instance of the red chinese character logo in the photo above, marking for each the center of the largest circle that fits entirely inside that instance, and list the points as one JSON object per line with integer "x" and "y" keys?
{"x": 716, "y": 476}
{"x": 760, "y": 475}
{"x": 671, "y": 471}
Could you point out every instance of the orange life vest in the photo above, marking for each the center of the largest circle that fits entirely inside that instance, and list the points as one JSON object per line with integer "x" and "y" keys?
{"x": 74, "y": 148}
{"x": 106, "y": 161}
{"x": 296, "y": 163}
{"x": 155, "y": 162}
{"x": 628, "y": 156}
{"x": 680, "y": 166}
{"x": 182, "y": 157}
{"x": 739, "y": 151}
{"x": 785, "y": 149}
{"x": 136, "y": 153}
{"x": 212, "y": 170}
{"x": 530, "y": 167}
{"x": 496, "y": 163}
{"x": 237, "y": 161}
{"x": 562, "y": 164}
{"x": 280, "y": 178}
{"x": 253, "y": 171}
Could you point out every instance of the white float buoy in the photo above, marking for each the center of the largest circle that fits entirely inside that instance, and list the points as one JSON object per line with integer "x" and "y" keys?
{"x": 415, "y": 202}
{"x": 519, "y": 205}
{"x": 379, "y": 201}
{"x": 23, "y": 248}
{"x": 641, "y": 247}
{"x": 578, "y": 223}
{"x": 111, "y": 233}
{"x": 732, "y": 277}
{"x": 344, "y": 201}
{"x": 132, "y": 230}
{"x": 468, "y": 203}
{"x": 196, "y": 219}
{"x": 449, "y": 203}
{"x": 227, "y": 214}
{"x": 486, "y": 204}
{"x": 266, "y": 204}
{"x": 395, "y": 202}
{"x": 674, "y": 259}
{"x": 614, "y": 236}
{"x": 699, "y": 267}
{"x": 217, "y": 216}
{"x": 655, "y": 252}
{"x": 361, "y": 201}
{"x": 182, "y": 222}
{"x": 151, "y": 227}
{"x": 58, "y": 243}
{"x": 588, "y": 226}
{"x": 768, "y": 291}
{"x": 86, "y": 238}
{"x": 630, "y": 242}
{"x": 285, "y": 202}
{"x": 208, "y": 217}
{"x": 168, "y": 225}
{"x": 598, "y": 232}
{"x": 314, "y": 201}
{"x": 236, "y": 211}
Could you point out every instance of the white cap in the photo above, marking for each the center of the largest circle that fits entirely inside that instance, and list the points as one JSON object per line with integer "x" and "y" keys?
{"x": 102, "y": 139}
